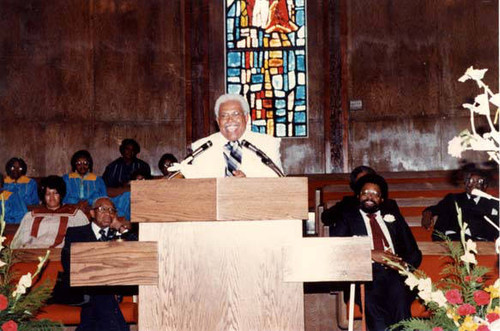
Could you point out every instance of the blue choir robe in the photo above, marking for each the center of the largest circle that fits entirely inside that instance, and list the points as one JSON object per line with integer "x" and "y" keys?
{"x": 122, "y": 205}
{"x": 15, "y": 208}
{"x": 24, "y": 186}
{"x": 87, "y": 188}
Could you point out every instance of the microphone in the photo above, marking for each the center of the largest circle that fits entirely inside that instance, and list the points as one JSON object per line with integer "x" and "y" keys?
{"x": 482, "y": 194}
{"x": 263, "y": 157}
{"x": 198, "y": 151}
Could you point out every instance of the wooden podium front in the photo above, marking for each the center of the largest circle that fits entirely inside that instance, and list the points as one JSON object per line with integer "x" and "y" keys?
{"x": 220, "y": 253}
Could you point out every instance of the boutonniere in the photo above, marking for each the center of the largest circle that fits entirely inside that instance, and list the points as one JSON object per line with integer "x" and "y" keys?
{"x": 389, "y": 218}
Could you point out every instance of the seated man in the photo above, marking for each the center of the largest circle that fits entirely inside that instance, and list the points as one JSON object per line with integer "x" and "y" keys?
{"x": 100, "y": 309}
{"x": 227, "y": 156}
{"x": 333, "y": 214}
{"x": 388, "y": 300}
{"x": 166, "y": 161}
{"x": 17, "y": 181}
{"x": 118, "y": 172}
{"x": 474, "y": 209}
{"x": 15, "y": 208}
{"x": 46, "y": 225}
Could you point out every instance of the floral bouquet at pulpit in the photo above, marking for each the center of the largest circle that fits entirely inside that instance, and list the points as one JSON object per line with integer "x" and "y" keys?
{"x": 19, "y": 302}
{"x": 460, "y": 300}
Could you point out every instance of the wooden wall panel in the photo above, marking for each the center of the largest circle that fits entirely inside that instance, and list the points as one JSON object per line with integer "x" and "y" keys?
{"x": 86, "y": 74}
{"x": 404, "y": 62}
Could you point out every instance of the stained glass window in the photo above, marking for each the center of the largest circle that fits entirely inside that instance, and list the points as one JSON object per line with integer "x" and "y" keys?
{"x": 266, "y": 62}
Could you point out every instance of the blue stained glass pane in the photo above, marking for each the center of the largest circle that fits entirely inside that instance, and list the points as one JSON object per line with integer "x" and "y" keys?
{"x": 281, "y": 119}
{"x": 300, "y": 63}
{"x": 255, "y": 128}
{"x": 230, "y": 27}
{"x": 230, "y": 44}
{"x": 301, "y": 92}
{"x": 257, "y": 78}
{"x": 291, "y": 61}
{"x": 292, "y": 37}
{"x": 280, "y": 112}
{"x": 300, "y": 130}
{"x": 261, "y": 37}
{"x": 300, "y": 17}
{"x": 234, "y": 89}
{"x": 232, "y": 72}
{"x": 255, "y": 59}
{"x": 299, "y": 117}
{"x": 300, "y": 103}
{"x": 285, "y": 82}
{"x": 232, "y": 11}
{"x": 233, "y": 59}
{"x": 299, "y": 3}
{"x": 280, "y": 103}
{"x": 261, "y": 59}
{"x": 262, "y": 129}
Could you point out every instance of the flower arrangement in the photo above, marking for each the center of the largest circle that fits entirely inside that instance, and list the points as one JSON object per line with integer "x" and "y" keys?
{"x": 488, "y": 141}
{"x": 460, "y": 300}
{"x": 19, "y": 302}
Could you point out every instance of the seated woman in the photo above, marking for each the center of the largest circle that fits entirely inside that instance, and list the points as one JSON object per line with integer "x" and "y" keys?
{"x": 17, "y": 181}
{"x": 45, "y": 226}
{"x": 15, "y": 208}
{"x": 82, "y": 185}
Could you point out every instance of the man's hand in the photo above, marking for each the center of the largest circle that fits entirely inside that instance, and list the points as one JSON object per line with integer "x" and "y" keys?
{"x": 381, "y": 257}
{"x": 239, "y": 174}
{"x": 427, "y": 219}
{"x": 120, "y": 226}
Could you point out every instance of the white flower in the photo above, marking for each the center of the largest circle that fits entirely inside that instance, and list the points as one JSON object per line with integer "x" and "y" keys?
{"x": 455, "y": 147}
{"x": 469, "y": 258}
{"x": 495, "y": 99}
{"x": 495, "y": 325}
{"x": 471, "y": 73}
{"x": 439, "y": 298}
{"x": 22, "y": 285}
{"x": 425, "y": 289}
{"x": 470, "y": 246}
{"x": 389, "y": 218}
{"x": 411, "y": 281}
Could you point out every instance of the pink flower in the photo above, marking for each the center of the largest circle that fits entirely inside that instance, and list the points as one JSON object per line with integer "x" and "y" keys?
{"x": 454, "y": 297}
{"x": 491, "y": 317}
{"x": 481, "y": 297}
{"x": 479, "y": 279}
{"x": 4, "y": 302}
{"x": 466, "y": 309}
{"x": 9, "y": 326}
{"x": 467, "y": 278}
{"x": 437, "y": 328}
{"x": 483, "y": 328}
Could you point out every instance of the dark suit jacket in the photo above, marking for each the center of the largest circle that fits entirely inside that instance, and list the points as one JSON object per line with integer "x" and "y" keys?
{"x": 63, "y": 293}
{"x": 472, "y": 213}
{"x": 352, "y": 224}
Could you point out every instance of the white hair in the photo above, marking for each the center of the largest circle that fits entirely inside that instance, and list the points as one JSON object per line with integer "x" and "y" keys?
{"x": 232, "y": 97}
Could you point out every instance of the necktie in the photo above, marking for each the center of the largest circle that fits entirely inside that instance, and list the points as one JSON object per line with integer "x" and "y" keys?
{"x": 103, "y": 237}
{"x": 232, "y": 154}
{"x": 379, "y": 241}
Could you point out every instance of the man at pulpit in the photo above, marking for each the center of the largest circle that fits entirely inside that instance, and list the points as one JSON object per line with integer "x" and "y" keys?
{"x": 388, "y": 300}
{"x": 234, "y": 150}
{"x": 100, "y": 308}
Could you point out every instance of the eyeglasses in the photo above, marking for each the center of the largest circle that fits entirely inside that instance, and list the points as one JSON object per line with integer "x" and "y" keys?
{"x": 370, "y": 192}
{"x": 18, "y": 168}
{"x": 227, "y": 115}
{"x": 82, "y": 163}
{"x": 479, "y": 181}
{"x": 103, "y": 209}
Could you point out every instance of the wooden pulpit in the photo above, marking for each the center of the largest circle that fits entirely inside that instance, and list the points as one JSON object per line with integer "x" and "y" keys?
{"x": 220, "y": 254}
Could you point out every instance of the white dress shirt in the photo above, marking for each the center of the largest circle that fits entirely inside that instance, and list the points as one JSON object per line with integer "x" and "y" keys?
{"x": 382, "y": 225}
